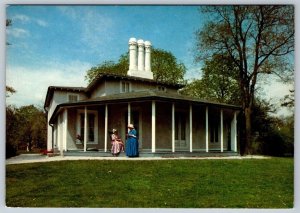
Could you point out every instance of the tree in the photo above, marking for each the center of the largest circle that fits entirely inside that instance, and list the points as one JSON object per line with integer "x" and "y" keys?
{"x": 32, "y": 127}
{"x": 11, "y": 132}
{"x": 218, "y": 83}
{"x": 272, "y": 135}
{"x": 259, "y": 41}
{"x": 164, "y": 66}
{"x": 9, "y": 91}
{"x": 8, "y": 24}
{"x": 11, "y": 126}
{"x": 289, "y": 100}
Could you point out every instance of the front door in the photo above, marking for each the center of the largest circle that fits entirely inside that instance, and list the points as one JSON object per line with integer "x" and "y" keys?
{"x": 180, "y": 131}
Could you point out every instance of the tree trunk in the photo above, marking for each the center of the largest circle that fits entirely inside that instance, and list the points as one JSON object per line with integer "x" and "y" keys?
{"x": 248, "y": 135}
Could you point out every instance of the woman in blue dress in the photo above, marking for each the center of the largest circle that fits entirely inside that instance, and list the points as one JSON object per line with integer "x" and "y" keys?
{"x": 132, "y": 145}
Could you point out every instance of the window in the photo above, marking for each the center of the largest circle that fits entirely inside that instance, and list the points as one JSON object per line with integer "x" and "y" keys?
{"x": 125, "y": 86}
{"x": 180, "y": 130}
{"x": 214, "y": 132}
{"x": 162, "y": 88}
{"x": 72, "y": 97}
{"x": 92, "y": 119}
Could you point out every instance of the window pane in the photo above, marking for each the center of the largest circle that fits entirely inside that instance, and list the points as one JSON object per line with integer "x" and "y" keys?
{"x": 73, "y": 98}
{"x": 176, "y": 126}
{"x": 216, "y": 134}
{"x": 123, "y": 86}
{"x": 182, "y": 127}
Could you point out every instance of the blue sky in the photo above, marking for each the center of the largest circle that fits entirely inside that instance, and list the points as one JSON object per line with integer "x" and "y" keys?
{"x": 56, "y": 45}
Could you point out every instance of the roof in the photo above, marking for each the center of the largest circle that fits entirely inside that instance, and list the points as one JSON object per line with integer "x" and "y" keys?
{"x": 51, "y": 90}
{"x": 140, "y": 96}
{"x": 100, "y": 77}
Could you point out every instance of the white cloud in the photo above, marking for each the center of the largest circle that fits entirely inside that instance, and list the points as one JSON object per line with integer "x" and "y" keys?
{"x": 41, "y": 23}
{"x": 32, "y": 84}
{"x": 27, "y": 20}
{"x": 17, "y": 32}
{"x": 21, "y": 17}
{"x": 96, "y": 28}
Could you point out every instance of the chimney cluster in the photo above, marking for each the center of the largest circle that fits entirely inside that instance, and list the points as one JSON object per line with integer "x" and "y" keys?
{"x": 140, "y": 58}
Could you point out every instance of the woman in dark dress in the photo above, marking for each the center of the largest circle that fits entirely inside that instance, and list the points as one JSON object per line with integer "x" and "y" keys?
{"x": 132, "y": 145}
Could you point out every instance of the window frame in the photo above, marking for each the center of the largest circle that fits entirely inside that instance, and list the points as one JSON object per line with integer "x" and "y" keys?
{"x": 78, "y": 125}
{"x": 214, "y": 132}
{"x": 162, "y": 88}
{"x": 125, "y": 83}
{"x": 72, "y": 94}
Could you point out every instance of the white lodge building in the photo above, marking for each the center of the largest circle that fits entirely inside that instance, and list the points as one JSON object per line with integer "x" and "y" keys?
{"x": 166, "y": 121}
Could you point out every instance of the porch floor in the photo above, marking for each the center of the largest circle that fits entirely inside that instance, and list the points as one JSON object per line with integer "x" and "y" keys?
{"x": 145, "y": 154}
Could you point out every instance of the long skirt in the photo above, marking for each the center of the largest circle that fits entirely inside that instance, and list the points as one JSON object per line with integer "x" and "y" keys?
{"x": 116, "y": 147}
{"x": 132, "y": 147}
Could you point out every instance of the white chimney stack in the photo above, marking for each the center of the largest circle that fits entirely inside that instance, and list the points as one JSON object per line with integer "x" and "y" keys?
{"x": 140, "y": 59}
{"x": 147, "y": 56}
{"x": 141, "y": 55}
{"x": 132, "y": 55}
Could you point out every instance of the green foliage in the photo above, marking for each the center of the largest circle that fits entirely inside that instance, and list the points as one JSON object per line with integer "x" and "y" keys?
{"x": 8, "y": 22}
{"x": 109, "y": 67}
{"x": 32, "y": 127}
{"x": 164, "y": 66}
{"x": 9, "y": 91}
{"x": 153, "y": 184}
{"x": 289, "y": 100}
{"x": 11, "y": 132}
{"x": 218, "y": 83}
{"x": 25, "y": 127}
{"x": 273, "y": 136}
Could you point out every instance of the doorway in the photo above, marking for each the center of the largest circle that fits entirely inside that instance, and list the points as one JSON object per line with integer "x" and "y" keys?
{"x": 180, "y": 131}
{"x": 135, "y": 120}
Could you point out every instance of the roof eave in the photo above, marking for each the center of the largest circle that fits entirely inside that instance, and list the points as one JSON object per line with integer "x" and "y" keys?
{"x": 151, "y": 96}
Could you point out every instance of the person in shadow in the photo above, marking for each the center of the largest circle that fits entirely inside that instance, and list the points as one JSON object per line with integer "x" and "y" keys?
{"x": 132, "y": 145}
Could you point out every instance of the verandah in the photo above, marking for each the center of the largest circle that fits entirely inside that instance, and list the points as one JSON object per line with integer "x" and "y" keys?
{"x": 63, "y": 129}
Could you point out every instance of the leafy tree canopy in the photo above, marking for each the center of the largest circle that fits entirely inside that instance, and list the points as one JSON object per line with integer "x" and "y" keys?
{"x": 9, "y": 91}
{"x": 218, "y": 83}
{"x": 164, "y": 66}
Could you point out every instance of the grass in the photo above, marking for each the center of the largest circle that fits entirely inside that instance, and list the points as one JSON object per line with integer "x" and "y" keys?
{"x": 252, "y": 183}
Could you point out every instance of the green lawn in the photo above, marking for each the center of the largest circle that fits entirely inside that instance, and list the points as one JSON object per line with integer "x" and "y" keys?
{"x": 252, "y": 183}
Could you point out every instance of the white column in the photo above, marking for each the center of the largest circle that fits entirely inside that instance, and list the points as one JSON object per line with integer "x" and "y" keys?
{"x": 153, "y": 126}
{"x": 148, "y": 56}
{"x": 60, "y": 135}
{"x": 173, "y": 127}
{"x": 234, "y": 133}
{"x": 132, "y": 54}
{"x": 65, "y": 120}
{"x": 49, "y": 132}
{"x": 105, "y": 128}
{"x": 141, "y": 55}
{"x": 191, "y": 128}
{"x": 206, "y": 129}
{"x": 85, "y": 129}
{"x": 221, "y": 122}
{"x": 129, "y": 114}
